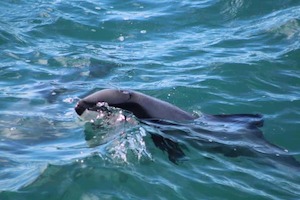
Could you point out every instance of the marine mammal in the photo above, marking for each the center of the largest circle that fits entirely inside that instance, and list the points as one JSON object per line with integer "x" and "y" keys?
{"x": 152, "y": 109}
{"x": 141, "y": 105}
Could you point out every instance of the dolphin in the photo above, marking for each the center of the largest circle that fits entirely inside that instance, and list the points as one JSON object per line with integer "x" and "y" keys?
{"x": 158, "y": 112}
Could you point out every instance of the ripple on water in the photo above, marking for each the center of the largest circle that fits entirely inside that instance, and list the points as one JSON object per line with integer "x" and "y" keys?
{"x": 209, "y": 56}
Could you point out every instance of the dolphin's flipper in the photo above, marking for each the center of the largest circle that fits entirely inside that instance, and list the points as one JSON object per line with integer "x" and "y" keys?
{"x": 172, "y": 148}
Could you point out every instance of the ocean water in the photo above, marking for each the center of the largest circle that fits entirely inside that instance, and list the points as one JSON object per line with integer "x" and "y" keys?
{"x": 205, "y": 56}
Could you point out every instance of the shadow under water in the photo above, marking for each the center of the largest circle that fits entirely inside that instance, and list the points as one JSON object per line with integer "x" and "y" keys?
{"x": 230, "y": 135}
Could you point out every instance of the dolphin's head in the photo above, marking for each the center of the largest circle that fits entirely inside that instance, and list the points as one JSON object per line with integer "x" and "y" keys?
{"x": 110, "y": 96}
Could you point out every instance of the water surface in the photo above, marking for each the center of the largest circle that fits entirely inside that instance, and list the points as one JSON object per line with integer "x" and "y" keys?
{"x": 207, "y": 56}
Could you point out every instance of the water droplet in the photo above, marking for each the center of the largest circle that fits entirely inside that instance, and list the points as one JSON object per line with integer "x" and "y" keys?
{"x": 43, "y": 61}
{"x": 68, "y": 100}
{"x": 121, "y": 38}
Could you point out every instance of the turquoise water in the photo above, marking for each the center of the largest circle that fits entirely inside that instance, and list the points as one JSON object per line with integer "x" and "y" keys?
{"x": 205, "y": 56}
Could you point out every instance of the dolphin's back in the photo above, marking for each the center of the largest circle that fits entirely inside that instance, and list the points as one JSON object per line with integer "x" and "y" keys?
{"x": 147, "y": 107}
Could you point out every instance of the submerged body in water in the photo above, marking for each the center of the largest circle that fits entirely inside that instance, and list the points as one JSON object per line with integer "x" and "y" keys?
{"x": 232, "y": 135}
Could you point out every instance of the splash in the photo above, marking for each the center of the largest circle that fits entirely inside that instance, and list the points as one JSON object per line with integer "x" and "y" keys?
{"x": 117, "y": 132}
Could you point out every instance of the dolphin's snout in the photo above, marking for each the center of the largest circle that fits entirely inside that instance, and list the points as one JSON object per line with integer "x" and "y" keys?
{"x": 79, "y": 108}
